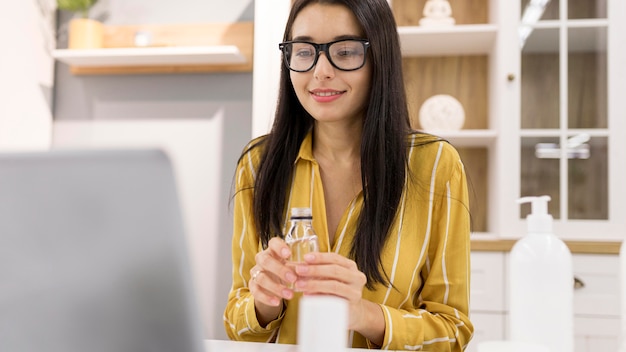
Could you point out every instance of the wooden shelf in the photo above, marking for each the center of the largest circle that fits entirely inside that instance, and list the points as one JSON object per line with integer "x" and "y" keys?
{"x": 213, "y": 47}
{"x": 150, "y": 56}
{"x": 495, "y": 244}
{"x": 469, "y": 138}
{"x": 470, "y": 39}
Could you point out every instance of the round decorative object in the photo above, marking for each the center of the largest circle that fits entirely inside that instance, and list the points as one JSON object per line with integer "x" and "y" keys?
{"x": 441, "y": 112}
{"x": 437, "y": 13}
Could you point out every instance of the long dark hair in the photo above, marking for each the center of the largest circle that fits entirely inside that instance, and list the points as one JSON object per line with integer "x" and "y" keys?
{"x": 383, "y": 141}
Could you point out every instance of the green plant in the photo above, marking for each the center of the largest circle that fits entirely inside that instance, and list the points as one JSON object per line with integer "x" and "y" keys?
{"x": 78, "y": 6}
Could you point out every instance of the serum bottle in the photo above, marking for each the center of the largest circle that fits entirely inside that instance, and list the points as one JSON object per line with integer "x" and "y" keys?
{"x": 301, "y": 237}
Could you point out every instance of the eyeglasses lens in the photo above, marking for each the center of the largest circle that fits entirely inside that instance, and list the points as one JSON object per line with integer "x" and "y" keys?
{"x": 345, "y": 55}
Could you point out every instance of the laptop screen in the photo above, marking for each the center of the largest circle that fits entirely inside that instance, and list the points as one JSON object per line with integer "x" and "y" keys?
{"x": 93, "y": 254}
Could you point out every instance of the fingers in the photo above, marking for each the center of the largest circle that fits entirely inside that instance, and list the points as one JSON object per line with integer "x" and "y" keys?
{"x": 278, "y": 246}
{"x": 273, "y": 259}
{"x": 267, "y": 304}
{"x": 329, "y": 273}
{"x": 349, "y": 286}
{"x": 269, "y": 276}
{"x": 265, "y": 289}
{"x": 330, "y": 258}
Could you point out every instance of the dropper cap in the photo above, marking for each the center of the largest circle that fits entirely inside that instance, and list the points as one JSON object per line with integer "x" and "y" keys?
{"x": 539, "y": 221}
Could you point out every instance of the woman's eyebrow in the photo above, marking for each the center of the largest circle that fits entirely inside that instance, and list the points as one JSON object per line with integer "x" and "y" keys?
{"x": 340, "y": 37}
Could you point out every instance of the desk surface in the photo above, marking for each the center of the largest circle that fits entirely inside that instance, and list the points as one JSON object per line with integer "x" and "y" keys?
{"x": 239, "y": 346}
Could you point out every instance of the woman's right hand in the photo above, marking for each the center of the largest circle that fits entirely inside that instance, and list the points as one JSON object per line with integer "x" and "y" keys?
{"x": 269, "y": 278}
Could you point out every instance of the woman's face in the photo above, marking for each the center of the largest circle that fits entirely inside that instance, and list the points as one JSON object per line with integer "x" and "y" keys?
{"x": 327, "y": 93}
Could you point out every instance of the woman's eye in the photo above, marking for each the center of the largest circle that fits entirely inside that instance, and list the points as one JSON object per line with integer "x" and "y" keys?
{"x": 304, "y": 53}
{"x": 345, "y": 52}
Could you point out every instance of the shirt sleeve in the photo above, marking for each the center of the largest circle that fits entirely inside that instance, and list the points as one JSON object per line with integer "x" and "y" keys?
{"x": 240, "y": 319}
{"x": 440, "y": 320}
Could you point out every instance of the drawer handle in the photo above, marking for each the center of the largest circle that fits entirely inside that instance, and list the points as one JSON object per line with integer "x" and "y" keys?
{"x": 578, "y": 283}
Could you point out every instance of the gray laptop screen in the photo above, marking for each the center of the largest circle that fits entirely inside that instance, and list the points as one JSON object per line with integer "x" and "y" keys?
{"x": 93, "y": 254}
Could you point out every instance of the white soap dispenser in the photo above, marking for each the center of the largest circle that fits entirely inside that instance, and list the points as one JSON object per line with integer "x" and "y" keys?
{"x": 622, "y": 273}
{"x": 541, "y": 284}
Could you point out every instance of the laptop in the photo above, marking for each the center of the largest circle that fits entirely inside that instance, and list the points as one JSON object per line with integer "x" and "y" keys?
{"x": 93, "y": 254}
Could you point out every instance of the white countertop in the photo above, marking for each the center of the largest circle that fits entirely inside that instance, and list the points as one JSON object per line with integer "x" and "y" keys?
{"x": 239, "y": 346}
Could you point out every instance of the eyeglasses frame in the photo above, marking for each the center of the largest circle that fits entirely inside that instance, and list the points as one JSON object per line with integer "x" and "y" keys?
{"x": 323, "y": 47}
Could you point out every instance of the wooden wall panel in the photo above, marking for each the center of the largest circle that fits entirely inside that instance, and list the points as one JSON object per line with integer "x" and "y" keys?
{"x": 540, "y": 91}
{"x": 586, "y": 9}
{"x": 587, "y": 94}
{"x": 587, "y": 90}
{"x": 409, "y": 12}
{"x": 576, "y": 9}
{"x": 463, "y": 77}
{"x": 551, "y": 12}
{"x": 588, "y": 184}
{"x": 476, "y": 168}
{"x": 539, "y": 177}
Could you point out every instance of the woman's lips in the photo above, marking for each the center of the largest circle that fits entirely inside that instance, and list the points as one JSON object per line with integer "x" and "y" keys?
{"x": 326, "y": 96}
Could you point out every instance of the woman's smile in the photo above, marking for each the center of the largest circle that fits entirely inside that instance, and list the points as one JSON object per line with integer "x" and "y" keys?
{"x": 326, "y": 95}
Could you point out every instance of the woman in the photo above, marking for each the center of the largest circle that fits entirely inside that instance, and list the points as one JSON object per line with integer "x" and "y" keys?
{"x": 390, "y": 205}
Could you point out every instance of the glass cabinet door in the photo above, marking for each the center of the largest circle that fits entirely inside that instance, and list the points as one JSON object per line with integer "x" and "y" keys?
{"x": 564, "y": 125}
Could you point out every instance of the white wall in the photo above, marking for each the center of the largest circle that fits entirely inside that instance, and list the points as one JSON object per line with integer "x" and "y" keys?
{"x": 202, "y": 120}
{"x": 203, "y": 175}
{"x": 26, "y": 71}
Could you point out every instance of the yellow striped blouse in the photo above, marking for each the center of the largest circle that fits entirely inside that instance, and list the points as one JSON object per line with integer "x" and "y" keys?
{"x": 426, "y": 256}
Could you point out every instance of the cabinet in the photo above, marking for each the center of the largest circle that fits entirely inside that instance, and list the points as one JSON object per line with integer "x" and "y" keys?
{"x": 596, "y": 300}
{"x": 487, "y": 292}
{"x": 558, "y": 85}
{"x": 596, "y": 303}
{"x": 564, "y": 82}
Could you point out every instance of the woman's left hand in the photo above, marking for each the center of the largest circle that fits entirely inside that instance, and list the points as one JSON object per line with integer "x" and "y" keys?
{"x": 333, "y": 274}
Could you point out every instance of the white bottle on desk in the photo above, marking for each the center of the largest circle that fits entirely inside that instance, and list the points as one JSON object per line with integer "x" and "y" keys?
{"x": 622, "y": 274}
{"x": 541, "y": 284}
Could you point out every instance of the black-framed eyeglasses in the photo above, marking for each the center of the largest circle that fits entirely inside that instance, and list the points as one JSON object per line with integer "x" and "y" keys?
{"x": 343, "y": 54}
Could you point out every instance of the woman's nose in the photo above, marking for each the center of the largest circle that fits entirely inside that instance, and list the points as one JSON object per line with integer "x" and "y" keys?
{"x": 323, "y": 68}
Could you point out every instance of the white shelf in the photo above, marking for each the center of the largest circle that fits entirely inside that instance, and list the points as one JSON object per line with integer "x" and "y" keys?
{"x": 151, "y": 56}
{"x": 468, "y": 138}
{"x": 471, "y": 39}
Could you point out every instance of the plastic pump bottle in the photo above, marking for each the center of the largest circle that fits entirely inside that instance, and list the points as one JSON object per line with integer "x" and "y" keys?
{"x": 623, "y": 293}
{"x": 541, "y": 284}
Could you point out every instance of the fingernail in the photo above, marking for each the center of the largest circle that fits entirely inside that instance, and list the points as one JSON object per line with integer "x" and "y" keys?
{"x": 302, "y": 269}
{"x": 290, "y": 277}
{"x": 300, "y": 284}
{"x": 287, "y": 294}
{"x": 309, "y": 256}
{"x": 274, "y": 301}
{"x": 285, "y": 252}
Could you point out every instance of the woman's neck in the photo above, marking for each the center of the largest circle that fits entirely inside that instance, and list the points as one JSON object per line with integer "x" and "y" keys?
{"x": 337, "y": 144}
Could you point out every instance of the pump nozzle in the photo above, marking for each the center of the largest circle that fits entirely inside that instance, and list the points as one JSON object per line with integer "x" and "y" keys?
{"x": 539, "y": 221}
{"x": 539, "y": 205}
